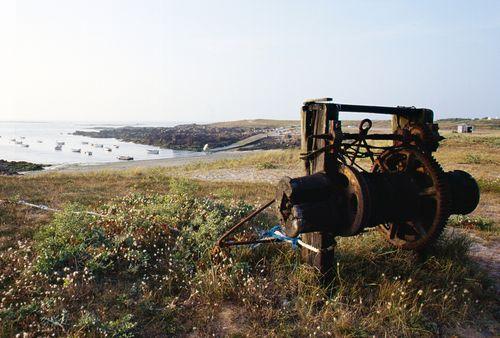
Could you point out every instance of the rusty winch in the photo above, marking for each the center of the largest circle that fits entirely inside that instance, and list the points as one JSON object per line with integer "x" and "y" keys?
{"x": 359, "y": 180}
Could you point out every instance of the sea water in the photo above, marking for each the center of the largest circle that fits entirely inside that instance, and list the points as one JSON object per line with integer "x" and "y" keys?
{"x": 42, "y": 137}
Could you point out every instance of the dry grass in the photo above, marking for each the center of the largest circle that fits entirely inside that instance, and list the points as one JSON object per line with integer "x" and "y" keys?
{"x": 278, "y": 159}
{"x": 129, "y": 274}
{"x": 263, "y": 292}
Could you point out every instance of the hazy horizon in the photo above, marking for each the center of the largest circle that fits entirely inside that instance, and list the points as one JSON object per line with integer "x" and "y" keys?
{"x": 352, "y": 116}
{"x": 181, "y": 61}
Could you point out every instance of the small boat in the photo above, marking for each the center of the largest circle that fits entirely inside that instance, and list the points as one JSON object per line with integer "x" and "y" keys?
{"x": 25, "y": 145}
{"x": 22, "y": 137}
{"x": 116, "y": 146}
{"x": 153, "y": 151}
{"x": 39, "y": 141}
{"x": 108, "y": 149}
{"x": 85, "y": 142}
{"x": 58, "y": 147}
{"x": 76, "y": 150}
{"x": 97, "y": 145}
{"x": 59, "y": 143}
{"x": 19, "y": 142}
{"x": 89, "y": 153}
{"x": 13, "y": 139}
{"x": 125, "y": 158}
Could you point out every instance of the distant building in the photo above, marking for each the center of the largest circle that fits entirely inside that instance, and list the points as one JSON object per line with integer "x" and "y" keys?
{"x": 465, "y": 128}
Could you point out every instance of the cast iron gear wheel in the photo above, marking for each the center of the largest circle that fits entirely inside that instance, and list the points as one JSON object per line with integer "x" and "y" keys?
{"x": 424, "y": 137}
{"x": 434, "y": 198}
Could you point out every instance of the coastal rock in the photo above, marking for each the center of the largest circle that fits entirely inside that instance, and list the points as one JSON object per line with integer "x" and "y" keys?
{"x": 195, "y": 136}
{"x": 14, "y": 167}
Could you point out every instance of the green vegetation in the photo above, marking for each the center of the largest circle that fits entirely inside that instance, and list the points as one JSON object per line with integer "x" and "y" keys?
{"x": 474, "y": 159}
{"x": 466, "y": 140}
{"x": 473, "y": 222}
{"x": 13, "y": 167}
{"x": 142, "y": 243}
{"x": 489, "y": 185}
{"x": 267, "y": 165}
{"x": 273, "y": 159}
{"x": 478, "y": 123}
{"x": 146, "y": 267}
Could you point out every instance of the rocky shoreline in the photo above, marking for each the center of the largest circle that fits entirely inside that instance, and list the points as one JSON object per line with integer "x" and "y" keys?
{"x": 194, "y": 137}
{"x": 14, "y": 167}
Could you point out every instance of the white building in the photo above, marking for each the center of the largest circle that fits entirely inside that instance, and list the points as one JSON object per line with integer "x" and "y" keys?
{"x": 465, "y": 128}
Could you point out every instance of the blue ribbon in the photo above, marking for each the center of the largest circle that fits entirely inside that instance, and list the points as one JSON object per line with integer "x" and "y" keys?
{"x": 280, "y": 237}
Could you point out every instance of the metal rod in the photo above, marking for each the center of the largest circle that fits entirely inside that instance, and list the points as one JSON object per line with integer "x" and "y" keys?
{"x": 323, "y": 99}
{"x": 243, "y": 221}
{"x": 257, "y": 241}
{"x": 377, "y": 109}
{"x": 391, "y": 137}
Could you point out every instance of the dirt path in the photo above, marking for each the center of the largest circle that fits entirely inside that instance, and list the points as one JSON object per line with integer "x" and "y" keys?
{"x": 249, "y": 174}
{"x": 487, "y": 255}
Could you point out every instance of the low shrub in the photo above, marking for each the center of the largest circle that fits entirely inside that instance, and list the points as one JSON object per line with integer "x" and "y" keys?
{"x": 472, "y": 222}
{"x": 489, "y": 185}
{"x": 267, "y": 165}
{"x": 473, "y": 159}
{"x": 146, "y": 269}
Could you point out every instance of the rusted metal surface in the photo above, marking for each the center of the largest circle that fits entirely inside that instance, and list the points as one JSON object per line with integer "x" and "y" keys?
{"x": 221, "y": 241}
{"x": 406, "y": 194}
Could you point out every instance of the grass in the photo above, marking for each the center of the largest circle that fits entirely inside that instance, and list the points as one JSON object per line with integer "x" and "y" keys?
{"x": 474, "y": 159}
{"x": 489, "y": 185}
{"x": 474, "y": 223}
{"x": 273, "y": 159}
{"x": 146, "y": 268}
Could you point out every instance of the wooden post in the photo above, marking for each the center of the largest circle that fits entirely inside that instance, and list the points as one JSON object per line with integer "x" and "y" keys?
{"x": 314, "y": 121}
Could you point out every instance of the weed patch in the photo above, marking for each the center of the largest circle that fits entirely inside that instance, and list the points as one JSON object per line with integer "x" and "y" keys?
{"x": 472, "y": 222}
{"x": 489, "y": 185}
{"x": 267, "y": 165}
{"x": 146, "y": 269}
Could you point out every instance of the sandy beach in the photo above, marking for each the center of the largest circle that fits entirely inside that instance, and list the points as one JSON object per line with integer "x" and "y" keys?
{"x": 142, "y": 164}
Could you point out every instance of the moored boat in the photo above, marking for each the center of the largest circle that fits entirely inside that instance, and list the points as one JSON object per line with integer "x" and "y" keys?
{"x": 89, "y": 153}
{"x": 108, "y": 149}
{"x": 76, "y": 150}
{"x": 153, "y": 151}
{"x": 58, "y": 147}
{"x": 125, "y": 158}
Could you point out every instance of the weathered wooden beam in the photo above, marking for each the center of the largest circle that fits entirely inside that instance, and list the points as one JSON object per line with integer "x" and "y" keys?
{"x": 315, "y": 122}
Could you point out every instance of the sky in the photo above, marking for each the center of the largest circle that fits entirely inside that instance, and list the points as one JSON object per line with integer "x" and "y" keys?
{"x": 153, "y": 60}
